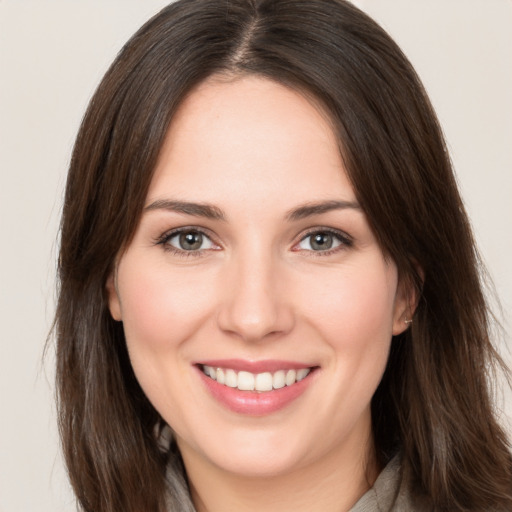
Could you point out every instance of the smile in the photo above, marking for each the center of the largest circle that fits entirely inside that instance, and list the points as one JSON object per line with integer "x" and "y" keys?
{"x": 259, "y": 382}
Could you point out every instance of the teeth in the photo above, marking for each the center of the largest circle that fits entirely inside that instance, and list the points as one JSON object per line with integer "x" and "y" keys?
{"x": 278, "y": 380}
{"x": 246, "y": 381}
{"x": 291, "y": 375}
{"x": 263, "y": 382}
{"x": 231, "y": 379}
{"x": 302, "y": 373}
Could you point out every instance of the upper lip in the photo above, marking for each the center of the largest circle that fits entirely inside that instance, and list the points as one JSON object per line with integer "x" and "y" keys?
{"x": 268, "y": 365}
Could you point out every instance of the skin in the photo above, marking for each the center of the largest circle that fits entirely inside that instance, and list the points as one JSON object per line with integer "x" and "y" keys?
{"x": 257, "y": 290}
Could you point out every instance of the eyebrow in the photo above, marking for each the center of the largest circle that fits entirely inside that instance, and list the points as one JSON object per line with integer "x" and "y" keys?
{"x": 311, "y": 209}
{"x": 210, "y": 211}
{"x": 206, "y": 210}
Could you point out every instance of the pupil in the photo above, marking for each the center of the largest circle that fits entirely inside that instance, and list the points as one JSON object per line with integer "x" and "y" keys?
{"x": 191, "y": 241}
{"x": 321, "y": 241}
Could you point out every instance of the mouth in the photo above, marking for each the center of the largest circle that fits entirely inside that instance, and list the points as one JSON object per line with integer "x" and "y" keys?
{"x": 256, "y": 388}
{"x": 258, "y": 382}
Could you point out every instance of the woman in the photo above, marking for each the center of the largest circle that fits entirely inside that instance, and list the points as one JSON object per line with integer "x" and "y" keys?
{"x": 269, "y": 291}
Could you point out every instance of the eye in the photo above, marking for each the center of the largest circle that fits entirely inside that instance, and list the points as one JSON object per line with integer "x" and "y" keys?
{"x": 187, "y": 240}
{"x": 323, "y": 241}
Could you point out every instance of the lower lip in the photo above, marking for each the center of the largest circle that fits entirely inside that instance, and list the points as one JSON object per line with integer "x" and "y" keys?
{"x": 255, "y": 403}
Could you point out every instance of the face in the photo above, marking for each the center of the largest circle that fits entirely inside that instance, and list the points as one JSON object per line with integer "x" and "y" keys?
{"x": 257, "y": 305}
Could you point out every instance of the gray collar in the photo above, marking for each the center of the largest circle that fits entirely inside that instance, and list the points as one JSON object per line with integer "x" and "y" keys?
{"x": 391, "y": 493}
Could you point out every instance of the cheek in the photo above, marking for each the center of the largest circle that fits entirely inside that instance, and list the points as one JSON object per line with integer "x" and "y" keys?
{"x": 161, "y": 308}
{"x": 355, "y": 320}
{"x": 353, "y": 312}
{"x": 354, "y": 306}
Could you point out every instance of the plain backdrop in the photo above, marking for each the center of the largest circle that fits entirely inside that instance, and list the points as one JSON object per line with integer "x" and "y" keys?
{"x": 52, "y": 56}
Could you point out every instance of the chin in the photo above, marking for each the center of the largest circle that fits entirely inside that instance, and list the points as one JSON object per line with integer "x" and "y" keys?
{"x": 254, "y": 453}
{"x": 259, "y": 463}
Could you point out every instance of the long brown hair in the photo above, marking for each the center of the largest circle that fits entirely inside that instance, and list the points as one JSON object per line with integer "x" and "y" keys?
{"x": 433, "y": 404}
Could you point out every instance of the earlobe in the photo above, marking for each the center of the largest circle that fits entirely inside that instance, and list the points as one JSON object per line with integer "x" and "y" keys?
{"x": 114, "y": 304}
{"x": 406, "y": 302}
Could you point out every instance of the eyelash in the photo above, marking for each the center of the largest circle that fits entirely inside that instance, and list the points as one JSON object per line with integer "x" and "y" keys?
{"x": 164, "y": 239}
{"x": 345, "y": 241}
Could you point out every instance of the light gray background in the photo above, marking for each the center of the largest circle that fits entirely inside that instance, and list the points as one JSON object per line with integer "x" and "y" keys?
{"x": 52, "y": 55}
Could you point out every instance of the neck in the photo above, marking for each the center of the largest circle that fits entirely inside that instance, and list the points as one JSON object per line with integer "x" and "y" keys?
{"x": 333, "y": 484}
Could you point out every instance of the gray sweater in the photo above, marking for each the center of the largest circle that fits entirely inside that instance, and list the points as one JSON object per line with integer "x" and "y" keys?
{"x": 390, "y": 494}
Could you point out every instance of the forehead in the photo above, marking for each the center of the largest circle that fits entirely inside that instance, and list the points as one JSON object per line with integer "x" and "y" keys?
{"x": 245, "y": 138}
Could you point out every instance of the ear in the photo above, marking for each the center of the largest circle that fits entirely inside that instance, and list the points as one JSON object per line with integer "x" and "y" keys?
{"x": 114, "y": 304}
{"x": 406, "y": 301}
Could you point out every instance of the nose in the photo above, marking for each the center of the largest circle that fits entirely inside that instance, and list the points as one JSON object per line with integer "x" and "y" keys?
{"x": 256, "y": 305}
